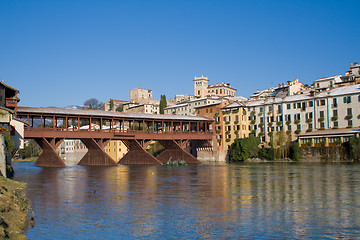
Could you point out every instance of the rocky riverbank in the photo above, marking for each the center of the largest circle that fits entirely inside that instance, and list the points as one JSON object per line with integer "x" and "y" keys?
{"x": 13, "y": 209}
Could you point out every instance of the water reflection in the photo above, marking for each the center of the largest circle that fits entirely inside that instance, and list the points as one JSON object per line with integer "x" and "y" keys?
{"x": 213, "y": 201}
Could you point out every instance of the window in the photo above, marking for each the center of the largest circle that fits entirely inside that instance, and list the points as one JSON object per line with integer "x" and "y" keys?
{"x": 262, "y": 120}
{"x": 335, "y": 113}
{"x": 294, "y": 105}
{"x": 347, "y": 99}
{"x": 322, "y": 102}
{"x": 359, "y": 98}
{"x": 334, "y": 102}
{"x": 261, "y": 109}
{"x": 336, "y": 124}
{"x": 322, "y": 125}
{"x": 271, "y": 108}
{"x": 311, "y": 103}
{"x": 298, "y": 127}
{"x": 297, "y": 116}
{"x": 288, "y": 106}
{"x": 298, "y": 105}
{"x": 349, "y": 111}
{"x": 310, "y": 126}
{"x": 322, "y": 114}
{"x": 350, "y": 123}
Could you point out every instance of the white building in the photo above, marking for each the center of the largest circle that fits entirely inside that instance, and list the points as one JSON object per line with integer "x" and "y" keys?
{"x": 189, "y": 107}
{"x": 333, "y": 109}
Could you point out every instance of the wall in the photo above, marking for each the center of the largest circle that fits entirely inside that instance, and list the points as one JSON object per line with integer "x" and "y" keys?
{"x": 2, "y": 157}
{"x": 325, "y": 154}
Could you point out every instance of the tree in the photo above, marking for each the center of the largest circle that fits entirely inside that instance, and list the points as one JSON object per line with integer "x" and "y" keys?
{"x": 120, "y": 108}
{"x": 93, "y": 103}
{"x": 244, "y": 148}
{"x": 163, "y": 103}
{"x": 111, "y": 103}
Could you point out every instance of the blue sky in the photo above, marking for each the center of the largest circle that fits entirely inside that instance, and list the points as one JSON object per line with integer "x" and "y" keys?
{"x": 60, "y": 53}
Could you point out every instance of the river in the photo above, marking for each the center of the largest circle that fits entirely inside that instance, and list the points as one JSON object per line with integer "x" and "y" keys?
{"x": 206, "y": 201}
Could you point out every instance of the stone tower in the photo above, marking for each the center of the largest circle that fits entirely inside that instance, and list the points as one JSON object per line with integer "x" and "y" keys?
{"x": 200, "y": 86}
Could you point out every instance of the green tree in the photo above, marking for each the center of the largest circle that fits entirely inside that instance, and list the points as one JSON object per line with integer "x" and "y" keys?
{"x": 111, "y": 103}
{"x": 244, "y": 148}
{"x": 354, "y": 147}
{"x": 295, "y": 151}
{"x": 120, "y": 108}
{"x": 163, "y": 103}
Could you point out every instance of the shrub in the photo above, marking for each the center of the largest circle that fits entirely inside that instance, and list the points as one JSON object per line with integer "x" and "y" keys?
{"x": 236, "y": 111}
{"x": 337, "y": 142}
{"x": 266, "y": 153}
{"x": 270, "y": 113}
{"x": 288, "y": 132}
{"x": 227, "y": 140}
{"x": 244, "y": 148}
{"x": 227, "y": 123}
{"x": 226, "y": 112}
{"x": 236, "y": 122}
{"x": 349, "y": 126}
{"x": 323, "y": 143}
{"x": 295, "y": 152}
{"x": 252, "y": 113}
{"x": 297, "y": 121}
{"x": 217, "y": 122}
{"x": 309, "y": 144}
{"x": 309, "y": 120}
{"x": 236, "y": 131}
{"x": 261, "y": 125}
{"x": 227, "y": 132}
{"x": 320, "y": 119}
{"x": 321, "y": 128}
{"x": 261, "y": 134}
{"x": 279, "y": 123}
{"x": 252, "y": 122}
{"x": 253, "y": 131}
{"x": 297, "y": 131}
{"x": 270, "y": 134}
{"x": 244, "y": 112}
{"x": 309, "y": 130}
{"x": 334, "y": 118}
{"x": 335, "y": 128}
{"x": 270, "y": 124}
{"x": 288, "y": 122}
{"x": 218, "y": 131}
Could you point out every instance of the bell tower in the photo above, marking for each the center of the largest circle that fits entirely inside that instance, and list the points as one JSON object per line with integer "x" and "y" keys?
{"x": 200, "y": 86}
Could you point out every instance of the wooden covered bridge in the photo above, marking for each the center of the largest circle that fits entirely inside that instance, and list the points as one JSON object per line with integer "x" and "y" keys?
{"x": 95, "y": 128}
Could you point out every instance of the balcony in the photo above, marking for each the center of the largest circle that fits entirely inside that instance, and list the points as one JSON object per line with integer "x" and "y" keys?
{"x": 11, "y": 102}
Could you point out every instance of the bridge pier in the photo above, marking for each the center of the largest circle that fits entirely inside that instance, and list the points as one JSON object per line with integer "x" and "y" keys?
{"x": 175, "y": 151}
{"x": 96, "y": 156}
{"x": 49, "y": 157}
{"x": 137, "y": 153}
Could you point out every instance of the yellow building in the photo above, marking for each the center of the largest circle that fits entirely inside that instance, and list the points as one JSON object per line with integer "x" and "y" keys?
{"x": 116, "y": 149}
{"x": 234, "y": 122}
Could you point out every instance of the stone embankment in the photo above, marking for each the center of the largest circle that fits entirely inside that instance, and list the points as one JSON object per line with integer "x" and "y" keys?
{"x": 13, "y": 209}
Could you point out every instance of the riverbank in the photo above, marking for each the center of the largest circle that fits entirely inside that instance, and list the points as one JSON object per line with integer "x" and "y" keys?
{"x": 13, "y": 209}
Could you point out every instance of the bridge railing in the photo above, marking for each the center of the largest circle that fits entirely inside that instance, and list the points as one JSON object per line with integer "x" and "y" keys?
{"x": 116, "y": 131}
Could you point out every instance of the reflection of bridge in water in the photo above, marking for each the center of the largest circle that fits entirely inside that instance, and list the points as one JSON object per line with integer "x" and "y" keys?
{"x": 50, "y": 126}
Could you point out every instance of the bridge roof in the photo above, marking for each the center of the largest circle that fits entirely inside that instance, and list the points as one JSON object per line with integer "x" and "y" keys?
{"x": 107, "y": 114}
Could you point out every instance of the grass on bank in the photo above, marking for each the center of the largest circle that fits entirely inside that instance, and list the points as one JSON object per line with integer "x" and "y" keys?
{"x": 13, "y": 209}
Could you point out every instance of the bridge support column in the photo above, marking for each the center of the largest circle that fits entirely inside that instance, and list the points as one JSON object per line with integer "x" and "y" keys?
{"x": 96, "y": 156}
{"x": 175, "y": 151}
{"x": 49, "y": 157}
{"x": 137, "y": 154}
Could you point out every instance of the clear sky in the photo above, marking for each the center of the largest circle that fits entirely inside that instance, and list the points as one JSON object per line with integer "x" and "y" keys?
{"x": 60, "y": 53}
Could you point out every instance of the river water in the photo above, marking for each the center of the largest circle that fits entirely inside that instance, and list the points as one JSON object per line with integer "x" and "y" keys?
{"x": 206, "y": 201}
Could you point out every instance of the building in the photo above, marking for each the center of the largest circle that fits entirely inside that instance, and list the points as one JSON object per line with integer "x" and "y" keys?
{"x": 282, "y": 90}
{"x": 144, "y": 108}
{"x": 116, "y": 104}
{"x": 140, "y": 95}
{"x": 231, "y": 122}
{"x": 116, "y": 149}
{"x": 333, "y": 109}
{"x": 203, "y": 89}
{"x": 327, "y": 138}
{"x": 189, "y": 107}
{"x": 327, "y": 83}
{"x": 221, "y": 90}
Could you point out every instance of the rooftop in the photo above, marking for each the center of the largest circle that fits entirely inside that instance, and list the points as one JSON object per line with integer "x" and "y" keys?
{"x": 104, "y": 114}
